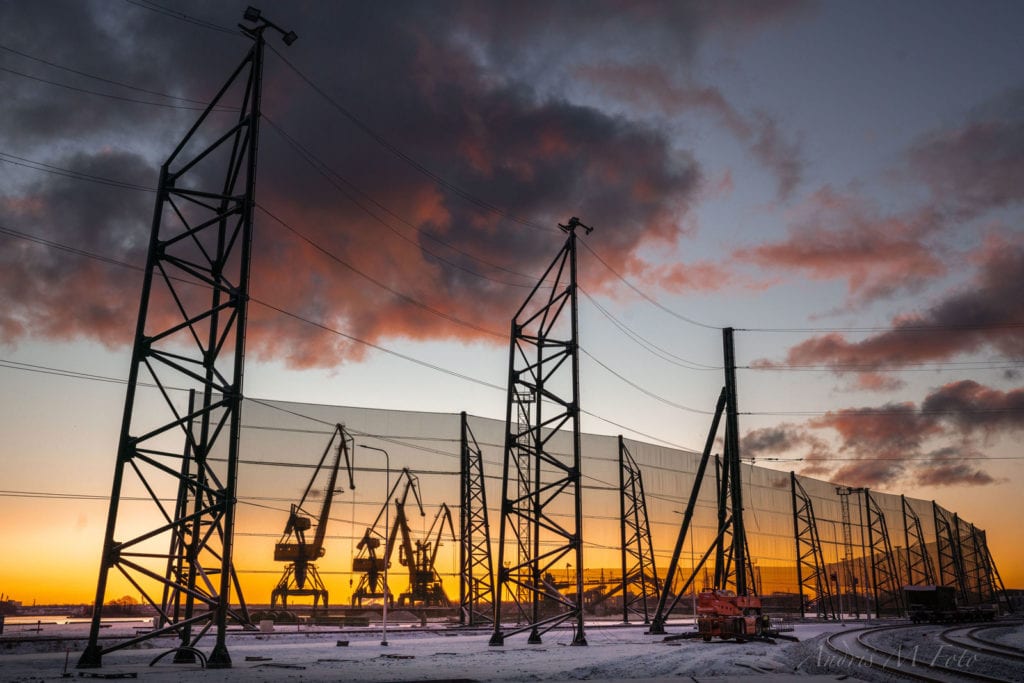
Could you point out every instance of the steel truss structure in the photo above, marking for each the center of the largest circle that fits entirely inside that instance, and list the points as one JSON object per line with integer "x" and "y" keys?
{"x": 975, "y": 569}
{"x": 476, "y": 569}
{"x": 190, "y": 334}
{"x": 849, "y": 566}
{"x": 947, "y": 543}
{"x": 885, "y": 578}
{"x": 998, "y": 588}
{"x": 811, "y": 570}
{"x": 920, "y": 571}
{"x": 638, "y": 568}
{"x": 981, "y": 581}
{"x": 543, "y": 386}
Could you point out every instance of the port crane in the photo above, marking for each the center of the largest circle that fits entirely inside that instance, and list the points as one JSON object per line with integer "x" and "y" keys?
{"x": 425, "y": 589}
{"x": 368, "y": 562}
{"x": 294, "y": 548}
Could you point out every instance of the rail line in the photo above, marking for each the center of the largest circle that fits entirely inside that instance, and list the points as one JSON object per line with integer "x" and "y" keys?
{"x": 972, "y": 640}
{"x": 854, "y": 649}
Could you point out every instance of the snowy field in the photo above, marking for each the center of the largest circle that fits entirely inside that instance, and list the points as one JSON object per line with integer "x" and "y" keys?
{"x": 291, "y": 653}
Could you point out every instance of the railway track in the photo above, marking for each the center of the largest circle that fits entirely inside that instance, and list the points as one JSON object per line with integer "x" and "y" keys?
{"x": 865, "y": 649}
{"x": 970, "y": 637}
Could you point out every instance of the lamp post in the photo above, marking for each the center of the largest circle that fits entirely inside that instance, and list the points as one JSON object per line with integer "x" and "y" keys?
{"x": 387, "y": 536}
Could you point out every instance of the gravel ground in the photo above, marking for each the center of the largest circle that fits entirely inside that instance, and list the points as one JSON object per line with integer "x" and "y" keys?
{"x": 1011, "y": 636}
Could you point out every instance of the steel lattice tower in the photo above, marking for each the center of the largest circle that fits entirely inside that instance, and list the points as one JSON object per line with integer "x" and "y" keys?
{"x": 638, "y": 567}
{"x": 476, "y": 587}
{"x": 849, "y": 566}
{"x": 190, "y": 333}
{"x": 973, "y": 562}
{"x": 884, "y": 576}
{"x": 541, "y": 487}
{"x": 999, "y": 593}
{"x": 951, "y": 564}
{"x": 919, "y": 563}
{"x": 811, "y": 572}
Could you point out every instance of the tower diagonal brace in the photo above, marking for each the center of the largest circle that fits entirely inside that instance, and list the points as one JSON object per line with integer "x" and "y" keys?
{"x": 543, "y": 374}
{"x": 664, "y": 606}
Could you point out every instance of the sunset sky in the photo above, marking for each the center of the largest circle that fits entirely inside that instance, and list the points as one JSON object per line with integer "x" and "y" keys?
{"x": 842, "y": 182}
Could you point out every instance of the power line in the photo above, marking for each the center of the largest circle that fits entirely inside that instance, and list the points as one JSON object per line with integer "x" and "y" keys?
{"x": 404, "y": 297}
{"x": 645, "y": 391}
{"x": 356, "y": 196}
{"x": 47, "y": 370}
{"x": 644, "y": 295}
{"x": 166, "y": 105}
{"x": 383, "y": 142}
{"x": 329, "y": 174}
{"x": 102, "y": 79}
{"x": 324, "y": 170}
{"x": 426, "y": 364}
{"x": 16, "y": 160}
{"x": 181, "y": 16}
{"x": 48, "y": 168}
{"x": 646, "y": 344}
{"x": 64, "y": 247}
{"x": 411, "y": 359}
{"x": 348, "y": 114}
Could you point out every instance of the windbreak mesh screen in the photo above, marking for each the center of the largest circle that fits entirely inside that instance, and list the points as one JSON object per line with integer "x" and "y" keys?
{"x": 281, "y": 442}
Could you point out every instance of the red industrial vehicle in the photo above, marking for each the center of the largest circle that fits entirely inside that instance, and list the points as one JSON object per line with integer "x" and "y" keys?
{"x": 723, "y": 614}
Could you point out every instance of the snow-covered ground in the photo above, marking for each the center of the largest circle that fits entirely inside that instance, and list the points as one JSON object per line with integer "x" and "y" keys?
{"x": 291, "y": 653}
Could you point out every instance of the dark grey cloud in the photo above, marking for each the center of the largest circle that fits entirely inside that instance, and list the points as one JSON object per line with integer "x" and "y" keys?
{"x": 970, "y": 406}
{"x": 439, "y": 81}
{"x": 55, "y": 294}
{"x": 979, "y": 165}
{"x": 986, "y": 314}
{"x": 952, "y": 466}
{"x": 888, "y": 444}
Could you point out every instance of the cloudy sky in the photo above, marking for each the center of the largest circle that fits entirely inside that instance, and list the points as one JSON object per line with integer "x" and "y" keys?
{"x": 842, "y": 182}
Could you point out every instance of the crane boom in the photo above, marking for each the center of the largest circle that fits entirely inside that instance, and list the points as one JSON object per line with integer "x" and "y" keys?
{"x": 425, "y": 587}
{"x": 367, "y": 562}
{"x": 293, "y": 546}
